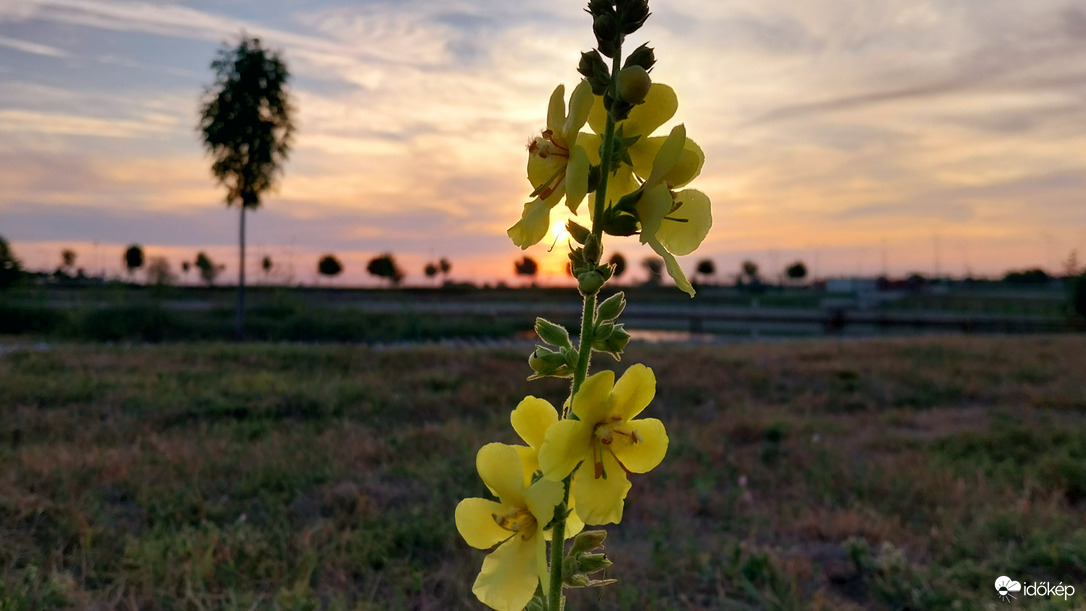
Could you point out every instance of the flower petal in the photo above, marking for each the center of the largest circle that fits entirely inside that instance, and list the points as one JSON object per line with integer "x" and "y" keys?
{"x": 529, "y": 458}
{"x": 500, "y": 469}
{"x": 542, "y": 169}
{"x": 556, "y": 109}
{"x": 673, "y": 268}
{"x": 534, "y": 222}
{"x": 669, "y": 154}
{"x": 634, "y": 391}
{"x": 686, "y": 168}
{"x": 599, "y": 500}
{"x": 621, "y": 182}
{"x": 591, "y": 144}
{"x": 574, "y": 524}
{"x": 650, "y": 448}
{"x": 597, "y": 117}
{"x": 576, "y": 178}
{"x": 475, "y": 521}
{"x": 593, "y": 401}
{"x": 684, "y": 229}
{"x": 580, "y": 104}
{"x": 531, "y": 418}
{"x": 542, "y": 497}
{"x": 509, "y": 575}
{"x": 659, "y": 106}
{"x": 566, "y": 444}
{"x": 655, "y": 203}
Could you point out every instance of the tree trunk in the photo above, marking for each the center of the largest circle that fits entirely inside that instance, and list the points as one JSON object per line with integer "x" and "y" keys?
{"x": 239, "y": 316}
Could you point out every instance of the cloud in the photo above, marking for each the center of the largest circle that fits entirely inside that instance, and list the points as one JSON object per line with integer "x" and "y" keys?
{"x": 820, "y": 120}
{"x": 72, "y": 125}
{"x": 31, "y": 47}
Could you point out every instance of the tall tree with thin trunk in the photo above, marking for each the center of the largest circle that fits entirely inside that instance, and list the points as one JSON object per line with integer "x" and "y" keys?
{"x": 246, "y": 122}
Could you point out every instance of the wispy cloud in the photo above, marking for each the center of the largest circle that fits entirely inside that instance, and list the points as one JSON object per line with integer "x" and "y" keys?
{"x": 31, "y": 47}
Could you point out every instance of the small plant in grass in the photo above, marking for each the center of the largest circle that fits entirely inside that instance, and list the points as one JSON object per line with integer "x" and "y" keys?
{"x": 573, "y": 469}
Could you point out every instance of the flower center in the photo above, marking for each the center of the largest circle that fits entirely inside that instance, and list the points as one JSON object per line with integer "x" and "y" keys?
{"x": 518, "y": 521}
{"x": 546, "y": 146}
{"x": 604, "y": 436}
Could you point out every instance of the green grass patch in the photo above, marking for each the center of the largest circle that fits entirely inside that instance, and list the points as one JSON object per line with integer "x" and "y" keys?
{"x": 818, "y": 475}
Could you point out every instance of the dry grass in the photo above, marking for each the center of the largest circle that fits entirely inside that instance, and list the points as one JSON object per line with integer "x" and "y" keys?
{"x": 894, "y": 474}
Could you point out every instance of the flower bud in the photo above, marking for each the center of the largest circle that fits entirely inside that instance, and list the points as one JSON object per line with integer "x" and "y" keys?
{"x": 620, "y": 224}
{"x": 552, "y": 333}
{"x": 633, "y": 14}
{"x": 642, "y": 56}
{"x": 633, "y": 84}
{"x": 590, "y": 563}
{"x": 590, "y": 282}
{"x": 607, "y": 37}
{"x": 614, "y": 343}
{"x": 593, "y": 68}
{"x": 592, "y": 250}
{"x": 587, "y": 541}
{"x": 611, "y": 307}
{"x": 579, "y": 233}
{"x": 546, "y": 362}
{"x": 603, "y": 331}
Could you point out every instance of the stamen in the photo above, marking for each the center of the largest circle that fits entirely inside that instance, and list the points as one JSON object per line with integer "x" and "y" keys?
{"x": 628, "y": 472}
{"x": 547, "y": 184}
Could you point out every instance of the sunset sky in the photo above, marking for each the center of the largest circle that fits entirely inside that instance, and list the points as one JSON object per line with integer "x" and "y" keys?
{"x": 859, "y": 136}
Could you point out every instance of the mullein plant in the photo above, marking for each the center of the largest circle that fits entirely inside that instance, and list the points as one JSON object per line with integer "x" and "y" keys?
{"x": 573, "y": 469}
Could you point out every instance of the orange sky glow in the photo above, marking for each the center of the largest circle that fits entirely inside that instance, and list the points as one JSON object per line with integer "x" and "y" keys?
{"x": 861, "y": 138}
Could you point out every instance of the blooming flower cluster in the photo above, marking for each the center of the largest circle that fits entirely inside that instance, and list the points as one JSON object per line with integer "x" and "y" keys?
{"x": 643, "y": 184}
{"x": 573, "y": 469}
{"x": 599, "y": 448}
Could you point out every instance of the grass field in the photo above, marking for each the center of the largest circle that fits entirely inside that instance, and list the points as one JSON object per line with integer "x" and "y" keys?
{"x": 904, "y": 474}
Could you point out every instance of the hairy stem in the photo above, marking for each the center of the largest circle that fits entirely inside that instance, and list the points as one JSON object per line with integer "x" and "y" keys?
{"x": 555, "y": 599}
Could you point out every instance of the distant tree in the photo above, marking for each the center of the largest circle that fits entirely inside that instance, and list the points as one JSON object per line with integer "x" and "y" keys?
{"x": 133, "y": 259}
{"x": 430, "y": 270}
{"x": 526, "y": 267}
{"x": 655, "y": 267}
{"x": 384, "y": 266}
{"x": 67, "y": 259}
{"x": 619, "y": 262}
{"x": 10, "y": 267}
{"x": 209, "y": 270}
{"x": 159, "y": 272}
{"x": 706, "y": 269}
{"x": 796, "y": 272}
{"x": 1071, "y": 266}
{"x": 266, "y": 265}
{"x": 444, "y": 266}
{"x": 329, "y": 266}
{"x": 1028, "y": 276}
{"x": 246, "y": 125}
{"x": 185, "y": 267}
{"x": 749, "y": 272}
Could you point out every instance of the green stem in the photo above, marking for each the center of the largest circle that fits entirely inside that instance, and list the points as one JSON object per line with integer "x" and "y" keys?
{"x": 555, "y": 600}
{"x": 605, "y": 157}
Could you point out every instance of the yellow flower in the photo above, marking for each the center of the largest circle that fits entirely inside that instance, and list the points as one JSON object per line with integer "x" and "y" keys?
{"x": 673, "y": 223}
{"x": 658, "y": 108}
{"x": 510, "y": 573}
{"x": 606, "y": 441}
{"x": 557, "y": 165}
{"x": 531, "y": 419}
